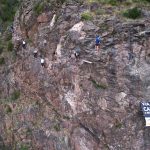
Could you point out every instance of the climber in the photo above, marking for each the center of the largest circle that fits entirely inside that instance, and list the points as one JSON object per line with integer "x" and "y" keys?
{"x": 23, "y": 44}
{"x": 44, "y": 42}
{"x": 35, "y": 53}
{"x": 42, "y": 62}
{"x": 97, "y": 42}
{"x": 77, "y": 52}
{"x": 131, "y": 55}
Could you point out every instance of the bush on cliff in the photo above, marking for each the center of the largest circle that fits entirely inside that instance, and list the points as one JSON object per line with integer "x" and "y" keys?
{"x": 132, "y": 13}
{"x": 8, "y": 9}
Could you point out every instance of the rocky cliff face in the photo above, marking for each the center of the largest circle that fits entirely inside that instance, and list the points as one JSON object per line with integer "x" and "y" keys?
{"x": 89, "y": 103}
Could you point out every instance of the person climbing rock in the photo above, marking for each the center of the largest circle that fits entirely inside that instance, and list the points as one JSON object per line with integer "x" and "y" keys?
{"x": 18, "y": 43}
{"x": 77, "y": 52}
{"x": 131, "y": 55}
{"x": 35, "y": 53}
{"x": 23, "y": 44}
{"x": 97, "y": 42}
{"x": 42, "y": 62}
{"x": 45, "y": 42}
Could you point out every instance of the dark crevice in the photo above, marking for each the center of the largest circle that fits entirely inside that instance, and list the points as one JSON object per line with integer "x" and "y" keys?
{"x": 90, "y": 132}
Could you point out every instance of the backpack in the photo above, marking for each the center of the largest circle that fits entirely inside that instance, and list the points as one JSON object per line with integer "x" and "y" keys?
{"x": 98, "y": 40}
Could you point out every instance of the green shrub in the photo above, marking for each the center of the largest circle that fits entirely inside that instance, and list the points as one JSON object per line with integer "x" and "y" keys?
{"x": 127, "y": 3}
{"x": 29, "y": 131}
{"x": 8, "y": 36}
{"x": 10, "y": 46}
{"x": 112, "y": 2}
{"x": 8, "y": 109}
{"x": 29, "y": 40}
{"x": 66, "y": 117}
{"x": 60, "y": 1}
{"x": 2, "y": 60}
{"x": 103, "y": 1}
{"x": 86, "y": 16}
{"x": 91, "y": 1}
{"x": 106, "y": 146}
{"x": 118, "y": 124}
{"x": 8, "y": 9}
{"x": 15, "y": 95}
{"x": 23, "y": 147}
{"x": 133, "y": 13}
{"x": 39, "y": 8}
{"x": 57, "y": 127}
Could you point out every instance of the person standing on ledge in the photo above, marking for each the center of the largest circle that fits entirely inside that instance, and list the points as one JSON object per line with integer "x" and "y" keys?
{"x": 97, "y": 42}
{"x": 45, "y": 42}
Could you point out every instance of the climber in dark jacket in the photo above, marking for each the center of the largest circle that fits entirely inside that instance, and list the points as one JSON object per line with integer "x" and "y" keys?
{"x": 77, "y": 52}
{"x": 35, "y": 53}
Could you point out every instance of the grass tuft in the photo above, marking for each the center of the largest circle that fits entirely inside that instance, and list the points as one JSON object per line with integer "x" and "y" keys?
{"x": 87, "y": 15}
{"x": 8, "y": 109}
{"x": 15, "y": 95}
{"x": 110, "y": 2}
{"x": 24, "y": 147}
{"x": 118, "y": 124}
{"x": 100, "y": 12}
{"x": 57, "y": 127}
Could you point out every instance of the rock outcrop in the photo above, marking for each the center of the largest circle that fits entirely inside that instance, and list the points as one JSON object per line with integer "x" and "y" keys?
{"x": 71, "y": 104}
